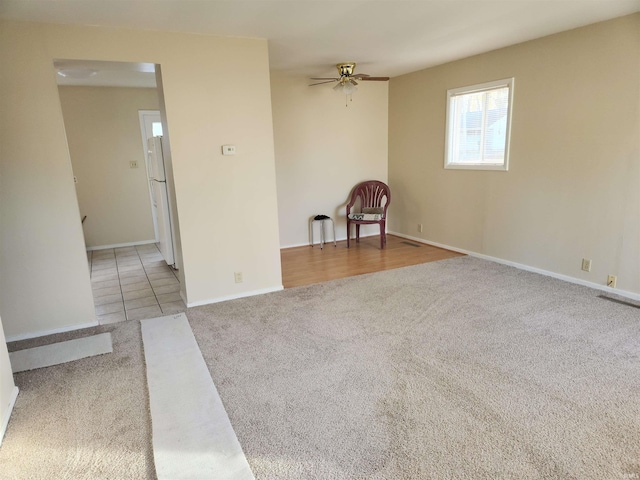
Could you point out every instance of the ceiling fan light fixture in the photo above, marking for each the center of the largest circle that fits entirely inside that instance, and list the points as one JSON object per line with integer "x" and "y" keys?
{"x": 345, "y": 88}
{"x": 349, "y": 88}
{"x": 77, "y": 72}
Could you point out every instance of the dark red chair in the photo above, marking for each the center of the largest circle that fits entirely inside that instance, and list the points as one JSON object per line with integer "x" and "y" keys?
{"x": 374, "y": 198}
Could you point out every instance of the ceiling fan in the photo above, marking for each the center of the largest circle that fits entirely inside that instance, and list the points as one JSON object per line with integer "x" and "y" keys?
{"x": 347, "y": 79}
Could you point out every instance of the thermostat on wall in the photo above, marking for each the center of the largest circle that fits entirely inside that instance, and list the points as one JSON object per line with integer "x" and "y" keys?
{"x": 228, "y": 149}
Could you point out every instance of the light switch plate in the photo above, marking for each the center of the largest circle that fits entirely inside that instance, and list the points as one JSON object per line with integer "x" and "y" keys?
{"x": 228, "y": 149}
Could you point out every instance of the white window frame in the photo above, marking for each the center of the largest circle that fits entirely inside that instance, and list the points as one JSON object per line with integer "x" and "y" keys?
{"x": 448, "y": 151}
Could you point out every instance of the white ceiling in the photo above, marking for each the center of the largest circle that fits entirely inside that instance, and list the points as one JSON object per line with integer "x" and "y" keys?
{"x": 308, "y": 37}
{"x": 106, "y": 74}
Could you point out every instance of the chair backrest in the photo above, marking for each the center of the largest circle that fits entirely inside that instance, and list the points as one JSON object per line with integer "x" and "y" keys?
{"x": 371, "y": 194}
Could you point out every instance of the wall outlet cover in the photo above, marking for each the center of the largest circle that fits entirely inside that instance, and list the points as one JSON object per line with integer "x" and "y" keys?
{"x": 228, "y": 149}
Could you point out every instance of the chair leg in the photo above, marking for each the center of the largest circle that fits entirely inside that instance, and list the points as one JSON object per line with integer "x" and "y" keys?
{"x": 333, "y": 226}
{"x": 357, "y": 233}
{"x": 348, "y": 232}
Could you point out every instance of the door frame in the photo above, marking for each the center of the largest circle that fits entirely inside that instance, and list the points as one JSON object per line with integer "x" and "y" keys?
{"x": 145, "y": 117}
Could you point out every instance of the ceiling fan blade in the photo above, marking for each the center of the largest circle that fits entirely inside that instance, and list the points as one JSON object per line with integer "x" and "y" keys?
{"x": 334, "y": 79}
{"x": 375, "y": 79}
{"x": 352, "y": 81}
{"x": 322, "y": 83}
{"x": 360, "y": 75}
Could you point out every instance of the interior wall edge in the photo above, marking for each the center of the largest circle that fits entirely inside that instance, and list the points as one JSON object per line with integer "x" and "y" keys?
{"x": 522, "y": 266}
{"x": 329, "y": 240}
{"x": 8, "y": 389}
{"x": 43, "y": 333}
{"x": 7, "y": 414}
{"x": 252, "y": 293}
{"x": 120, "y": 245}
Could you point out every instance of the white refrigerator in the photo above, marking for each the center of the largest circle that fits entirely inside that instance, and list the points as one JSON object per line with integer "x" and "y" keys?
{"x": 160, "y": 198}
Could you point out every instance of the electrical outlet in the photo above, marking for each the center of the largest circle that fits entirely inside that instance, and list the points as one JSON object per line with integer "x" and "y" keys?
{"x": 238, "y": 277}
{"x": 75, "y": 179}
{"x": 586, "y": 264}
{"x": 420, "y": 227}
{"x": 611, "y": 281}
{"x": 133, "y": 164}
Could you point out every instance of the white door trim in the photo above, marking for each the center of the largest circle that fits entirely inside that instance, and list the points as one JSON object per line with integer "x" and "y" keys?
{"x": 144, "y": 135}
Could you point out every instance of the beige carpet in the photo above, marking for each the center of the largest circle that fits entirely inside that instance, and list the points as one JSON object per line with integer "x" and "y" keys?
{"x": 459, "y": 369}
{"x": 87, "y": 419}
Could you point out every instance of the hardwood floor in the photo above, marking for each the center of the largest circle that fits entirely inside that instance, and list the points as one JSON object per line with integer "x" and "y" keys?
{"x": 307, "y": 265}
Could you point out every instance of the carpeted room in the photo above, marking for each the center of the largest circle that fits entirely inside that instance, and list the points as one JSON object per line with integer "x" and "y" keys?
{"x": 476, "y": 369}
{"x": 461, "y": 368}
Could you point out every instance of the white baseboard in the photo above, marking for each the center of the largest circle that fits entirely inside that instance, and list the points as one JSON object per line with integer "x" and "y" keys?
{"x": 559, "y": 276}
{"x": 183, "y": 296}
{"x": 42, "y": 333}
{"x": 235, "y": 296}
{"x": 327, "y": 242}
{"x": 6, "y": 415}
{"x": 120, "y": 245}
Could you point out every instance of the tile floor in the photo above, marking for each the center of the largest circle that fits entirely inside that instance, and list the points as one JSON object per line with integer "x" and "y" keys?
{"x": 133, "y": 283}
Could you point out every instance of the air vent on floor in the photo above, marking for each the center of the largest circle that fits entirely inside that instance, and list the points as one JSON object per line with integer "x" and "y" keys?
{"x": 621, "y": 302}
{"x": 411, "y": 244}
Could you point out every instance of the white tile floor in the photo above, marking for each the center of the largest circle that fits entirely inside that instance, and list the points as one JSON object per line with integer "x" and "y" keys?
{"x": 133, "y": 283}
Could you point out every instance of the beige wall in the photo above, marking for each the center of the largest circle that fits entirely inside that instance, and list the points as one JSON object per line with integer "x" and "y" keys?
{"x": 323, "y": 149}
{"x": 8, "y": 389}
{"x": 227, "y": 205}
{"x": 44, "y": 277}
{"x": 573, "y": 185}
{"x": 103, "y": 132}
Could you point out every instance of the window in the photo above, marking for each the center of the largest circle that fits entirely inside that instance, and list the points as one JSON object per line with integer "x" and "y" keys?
{"x": 478, "y": 126}
{"x": 156, "y": 129}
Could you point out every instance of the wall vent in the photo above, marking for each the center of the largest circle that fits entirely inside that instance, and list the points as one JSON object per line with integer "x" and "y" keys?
{"x": 411, "y": 244}
{"x": 621, "y": 302}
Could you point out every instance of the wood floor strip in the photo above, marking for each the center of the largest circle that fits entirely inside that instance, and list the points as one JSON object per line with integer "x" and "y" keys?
{"x": 308, "y": 265}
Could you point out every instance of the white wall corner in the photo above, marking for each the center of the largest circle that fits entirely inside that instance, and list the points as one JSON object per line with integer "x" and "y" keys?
{"x": 42, "y": 333}
{"x": 7, "y": 413}
{"x": 528, "y": 268}
{"x": 329, "y": 240}
{"x": 233, "y": 297}
{"x": 120, "y": 245}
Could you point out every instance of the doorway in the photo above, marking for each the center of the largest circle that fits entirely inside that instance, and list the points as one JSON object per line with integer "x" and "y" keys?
{"x": 100, "y": 103}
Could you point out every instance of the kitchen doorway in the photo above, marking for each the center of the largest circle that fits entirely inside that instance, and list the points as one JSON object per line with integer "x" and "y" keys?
{"x": 132, "y": 278}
